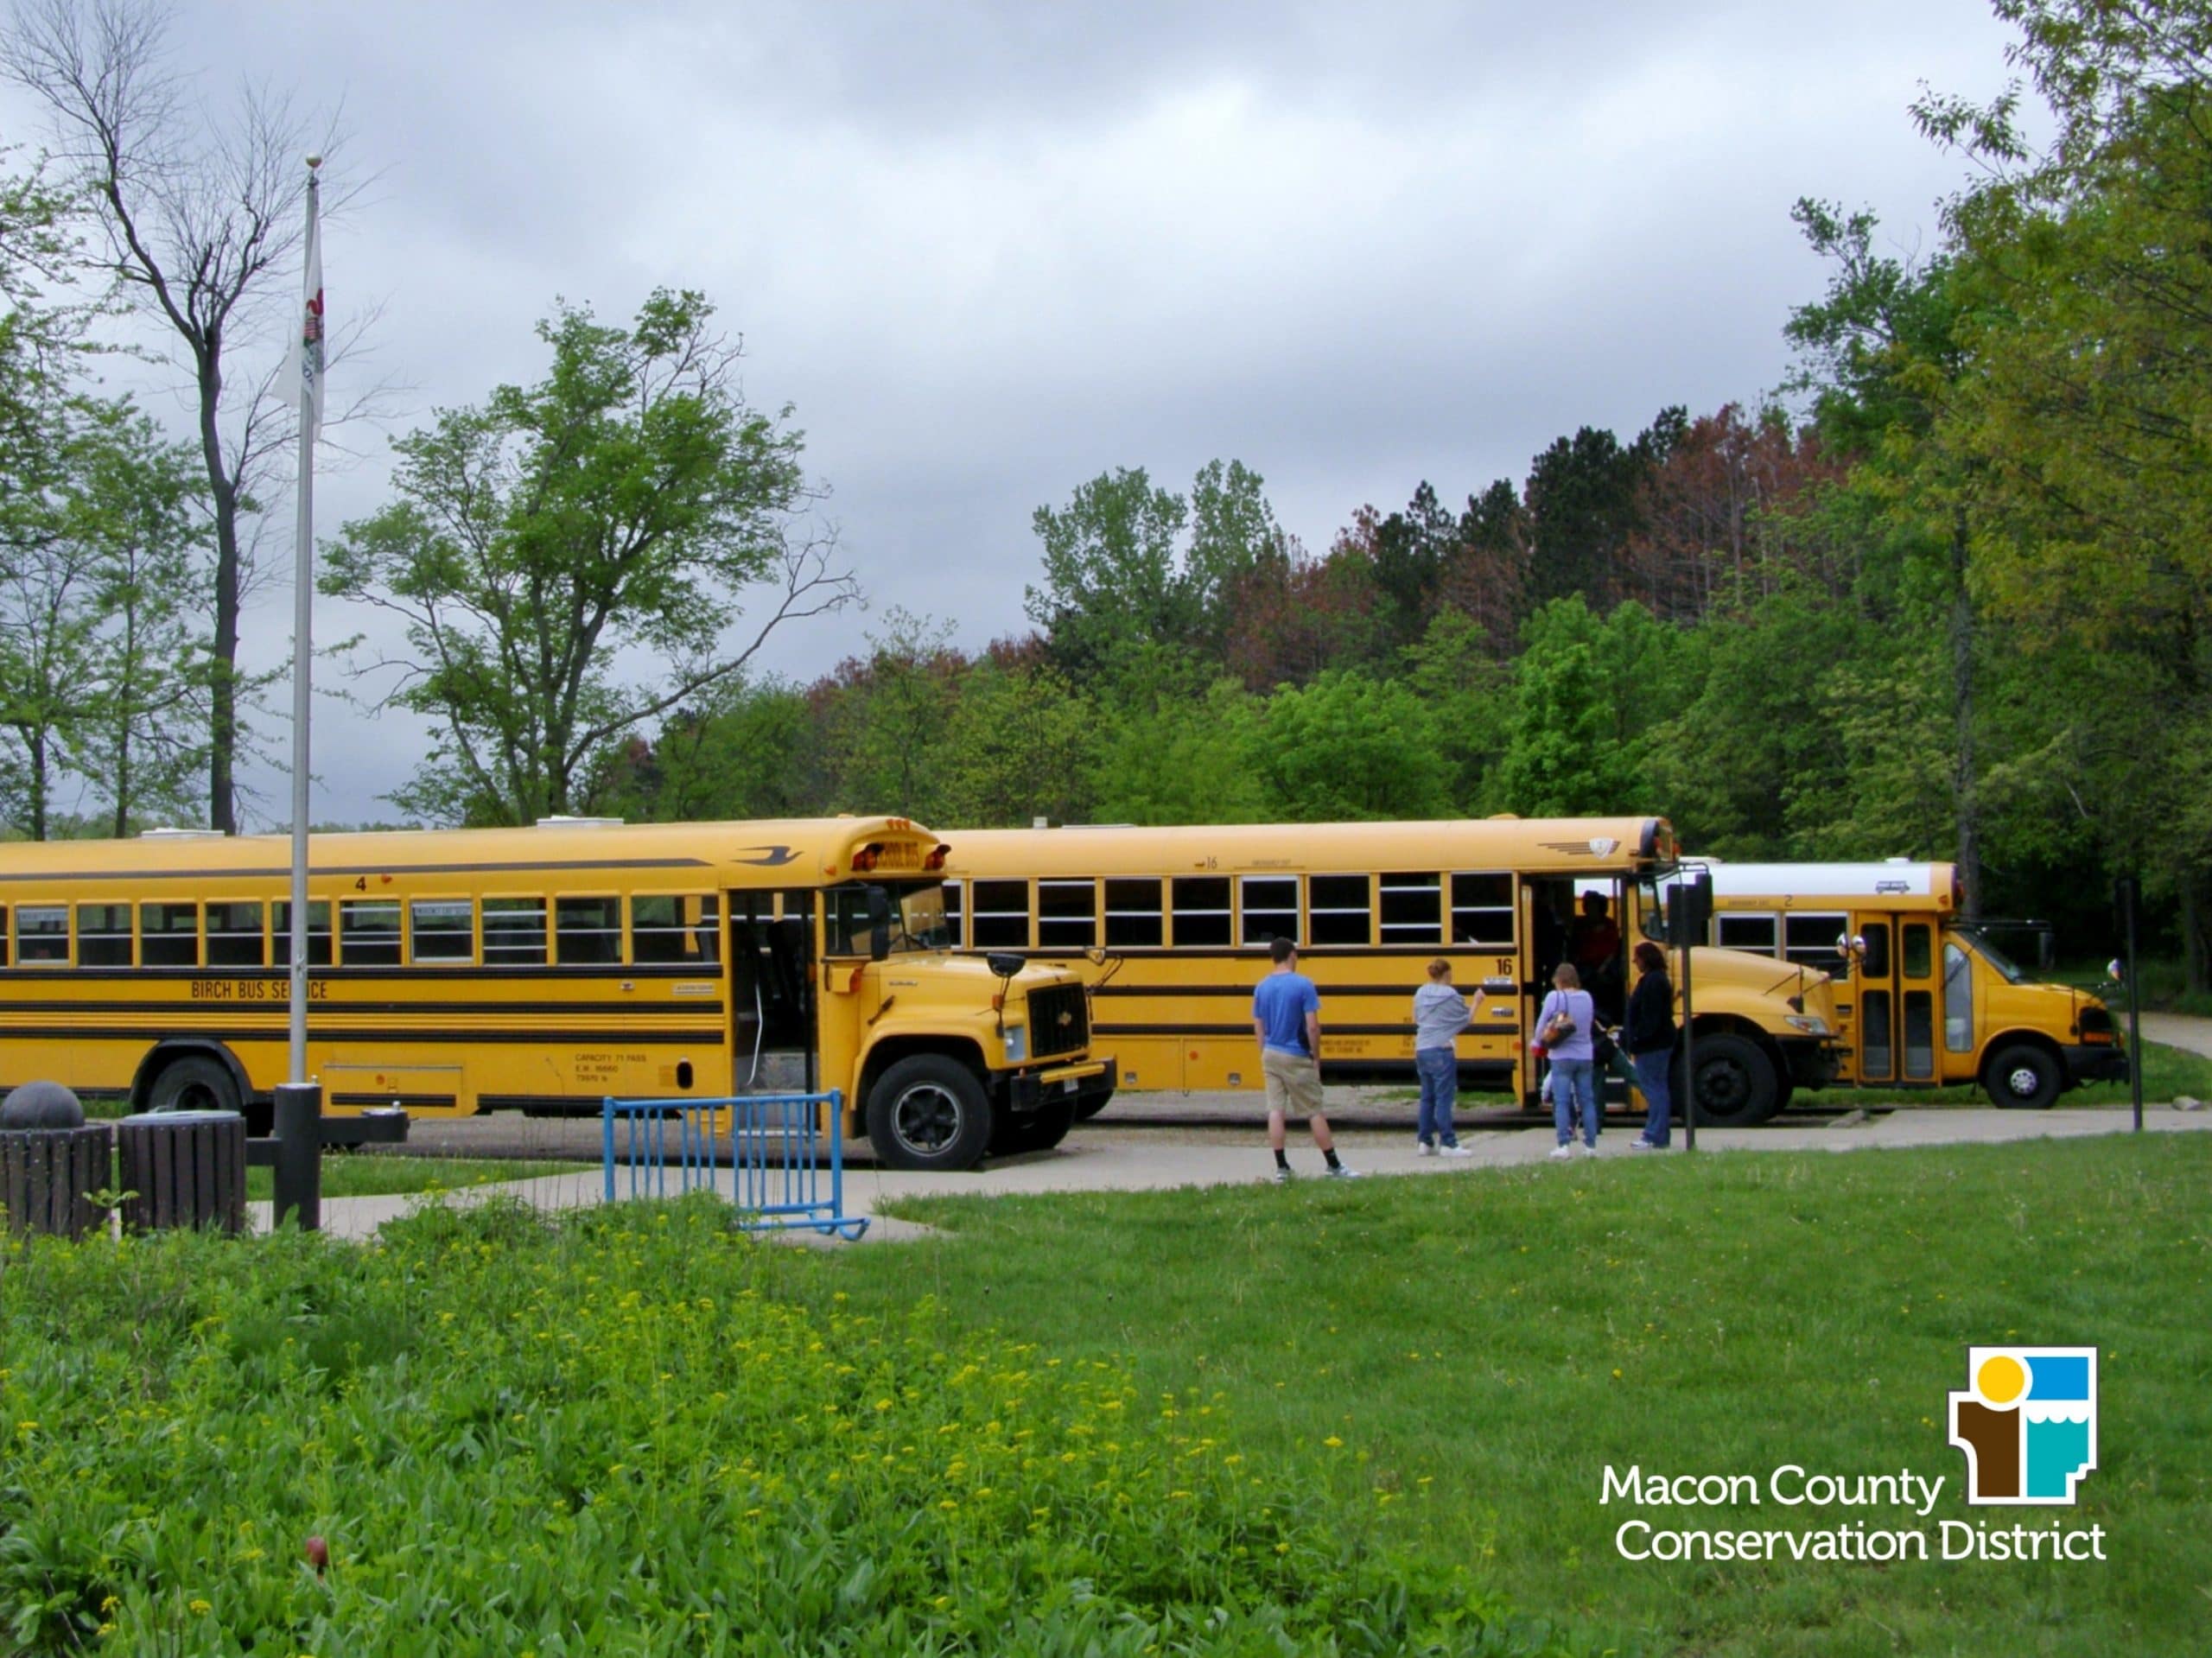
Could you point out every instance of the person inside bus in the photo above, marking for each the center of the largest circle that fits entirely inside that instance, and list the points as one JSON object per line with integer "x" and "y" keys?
{"x": 1650, "y": 1039}
{"x": 1440, "y": 1013}
{"x": 1563, "y": 1031}
{"x": 1593, "y": 946}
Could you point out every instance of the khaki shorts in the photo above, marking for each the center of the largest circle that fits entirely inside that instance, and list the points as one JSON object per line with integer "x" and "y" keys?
{"x": 1294, "y": 1082}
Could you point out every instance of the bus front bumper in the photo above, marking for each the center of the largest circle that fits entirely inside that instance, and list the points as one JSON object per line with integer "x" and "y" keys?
{"x": 2096, "y": 1062}
{"x": 1023, "y": 1091}
{"x": 1812, "y": 1061}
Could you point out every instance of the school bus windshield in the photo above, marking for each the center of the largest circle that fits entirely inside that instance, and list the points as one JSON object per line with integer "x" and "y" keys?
{"x": 2013, "y": 972}
{"x": 921, "y": 918}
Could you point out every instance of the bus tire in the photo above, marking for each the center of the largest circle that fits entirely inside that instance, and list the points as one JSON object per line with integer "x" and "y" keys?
{"x": 1046, "y": 1127}
{"x": 2024, "y": 1075}
{"x": 1090, "y": 1102}
{"x": 193, "y": 1082}
{"x": 928, "y": 1112}
{"x": 1736, "y": 1084}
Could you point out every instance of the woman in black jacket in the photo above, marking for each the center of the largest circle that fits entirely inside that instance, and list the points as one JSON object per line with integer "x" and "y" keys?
{"x": 1648, "y": 1035}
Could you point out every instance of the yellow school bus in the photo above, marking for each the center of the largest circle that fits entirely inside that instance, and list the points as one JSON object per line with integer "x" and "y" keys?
{"x": 1170, "y": 927}
{"x": 1924, "y": 998}
{"x": 457, "y": 971}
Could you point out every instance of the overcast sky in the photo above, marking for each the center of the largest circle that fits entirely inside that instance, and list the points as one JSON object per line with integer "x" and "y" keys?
{"x": 991, "y": 249}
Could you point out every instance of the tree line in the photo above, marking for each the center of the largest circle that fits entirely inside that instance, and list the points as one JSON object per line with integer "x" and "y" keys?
{"x": 1942, "y": 596}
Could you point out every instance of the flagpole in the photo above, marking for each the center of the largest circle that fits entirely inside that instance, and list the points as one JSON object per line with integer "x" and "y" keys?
{"x": 310, "y": 359}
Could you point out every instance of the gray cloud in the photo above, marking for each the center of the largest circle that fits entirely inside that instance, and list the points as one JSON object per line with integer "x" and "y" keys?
{"x": 990, "y": 250}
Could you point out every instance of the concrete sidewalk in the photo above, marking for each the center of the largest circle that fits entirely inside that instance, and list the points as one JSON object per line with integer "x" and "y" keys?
{"x": 1109, "y": 1159}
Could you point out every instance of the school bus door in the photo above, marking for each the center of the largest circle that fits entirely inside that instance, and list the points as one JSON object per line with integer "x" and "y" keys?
{"x": 1893, "y": 984}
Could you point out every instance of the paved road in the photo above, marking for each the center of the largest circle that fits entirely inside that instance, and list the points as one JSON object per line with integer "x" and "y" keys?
{"x": 1107, "y": 1157}
{"x": 2178, "y": 1031}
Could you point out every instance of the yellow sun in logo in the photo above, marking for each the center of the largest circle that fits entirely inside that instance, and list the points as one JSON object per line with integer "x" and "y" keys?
{"x": 2000, "y": 1379}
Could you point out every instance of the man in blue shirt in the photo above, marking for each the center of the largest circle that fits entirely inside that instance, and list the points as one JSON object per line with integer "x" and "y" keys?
{"x": 1286, "y": 1018}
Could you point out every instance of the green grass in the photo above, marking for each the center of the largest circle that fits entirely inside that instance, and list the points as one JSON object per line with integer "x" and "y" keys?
{"x": 633, "y": 1429}
{"x": 372, "y": 1174}
{"x": 1484, "y": 1345}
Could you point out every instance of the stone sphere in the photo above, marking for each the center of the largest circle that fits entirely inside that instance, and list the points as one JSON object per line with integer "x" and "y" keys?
{"x": 41, "y": 1105}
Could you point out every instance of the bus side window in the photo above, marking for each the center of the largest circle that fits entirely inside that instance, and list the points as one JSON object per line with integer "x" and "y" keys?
{"x": 368, "y": 932}
{"x": 42, "y": 934}
{"x": 1199, "y": 906}
{"x": 1133, "y": 919}
{"x": 1000, "y": 920}
{"x": 1270, "y": 903}
{"x": 5, "y": 935}
{"x": 587, "y": 930}
{"x": 954, "y": 893}
{"x": 441, "y": 930}
{"x": 666, "y": 929}
{"x": 1815, "y": 939}
{"x": 1337, "y": 909}
{"x": 1481, "y": 911}
{"x": 1413, "y": 909}
{"x": 1067, "y": 914}
{"x": 103, "y": 934}
{"x": 168, "y": 935}
{"x": 1875, "y": 964}
{"x": 1748, "y": 931}
{"x": 235, "y": 939}
{"x": 318, "y": 932}
{"x": 514, "y": 932}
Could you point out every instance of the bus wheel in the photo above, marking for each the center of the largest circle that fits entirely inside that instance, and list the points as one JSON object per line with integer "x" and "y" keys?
{"x": 2023, "y": 1075}
{"x": 1088, "y": 1105}
{"x": 1736, "y": 1083}
{"x": 928, "y": 1112}
{"x": 193, "y": 1083}
{"x": 1040, "y": 1131}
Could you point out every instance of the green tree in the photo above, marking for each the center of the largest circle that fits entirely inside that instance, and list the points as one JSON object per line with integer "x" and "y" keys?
{"x": 2090, "y": 410}
{"x": 1591, "y": 693}
{"x": 202, "y": 213}
{"x": 1017, "y": 748}
{"x": 619, "y": 507}
{"x": 1175, "y": 744}
{"x": 1125, "y": 562}
{"x": 1347, "y": 748}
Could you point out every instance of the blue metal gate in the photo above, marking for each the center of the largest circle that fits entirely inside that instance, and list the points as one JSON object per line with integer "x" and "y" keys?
{"x": 783, "y": 1171}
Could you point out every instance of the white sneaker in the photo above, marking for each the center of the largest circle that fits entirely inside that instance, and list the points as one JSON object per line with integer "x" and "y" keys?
{"x": 1339, "y": 1171}
{"x": 1582, "y": 1150}
{"x": 1644, "y": 1146}
{"x": 1561, "y": 1153}
{"x": 1453, "y": 1151}
{"x": 1281, "y": 1177}
{"x": 1422, "y": 1148}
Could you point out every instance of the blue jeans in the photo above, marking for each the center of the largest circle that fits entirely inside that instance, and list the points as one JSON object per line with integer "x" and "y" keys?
{"x": 1439, "y": 1086}
{"x": 1572, "y": 1080}
{"x": 1652, "y": 1075}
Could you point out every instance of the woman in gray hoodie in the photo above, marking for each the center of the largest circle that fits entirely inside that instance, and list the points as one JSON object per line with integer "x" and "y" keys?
{"x": 1439, "y": 1014}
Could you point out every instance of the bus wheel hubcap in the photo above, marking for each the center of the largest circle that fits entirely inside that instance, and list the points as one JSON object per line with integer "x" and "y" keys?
{"x": 2025, "y": 1082}
{"x": 927, "y": 1118}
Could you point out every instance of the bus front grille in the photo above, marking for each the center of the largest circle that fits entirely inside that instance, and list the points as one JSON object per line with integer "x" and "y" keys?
{"x": 1059, "y": 1019}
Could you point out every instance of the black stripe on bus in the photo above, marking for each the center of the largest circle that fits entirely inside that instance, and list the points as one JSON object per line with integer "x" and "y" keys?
{"x": 318, "y": 1032}
{"x": 405, "y": 1102}
{"x": 322, "y": 975}
{"x": 216, "y": 878}
{"x": 1248, "y": 953}
{"x": 1328, "y": 1030}
{"x": 229, "y": 1008}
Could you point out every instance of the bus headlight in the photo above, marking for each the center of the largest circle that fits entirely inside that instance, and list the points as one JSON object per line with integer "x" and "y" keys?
{"x": 1811, "y": 1023}
{"x": 1017, "y": 1044}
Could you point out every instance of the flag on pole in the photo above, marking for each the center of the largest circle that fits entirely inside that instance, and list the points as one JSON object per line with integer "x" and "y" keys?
{"x": 311, "y": 328}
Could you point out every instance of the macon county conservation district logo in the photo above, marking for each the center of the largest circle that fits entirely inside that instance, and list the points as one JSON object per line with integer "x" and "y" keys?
{"x": 2027, "y": 1422}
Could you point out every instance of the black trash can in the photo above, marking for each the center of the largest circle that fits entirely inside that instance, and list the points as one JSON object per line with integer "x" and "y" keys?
{"x": 183, "y": 1168}
{"x": 47, "y": 1175}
